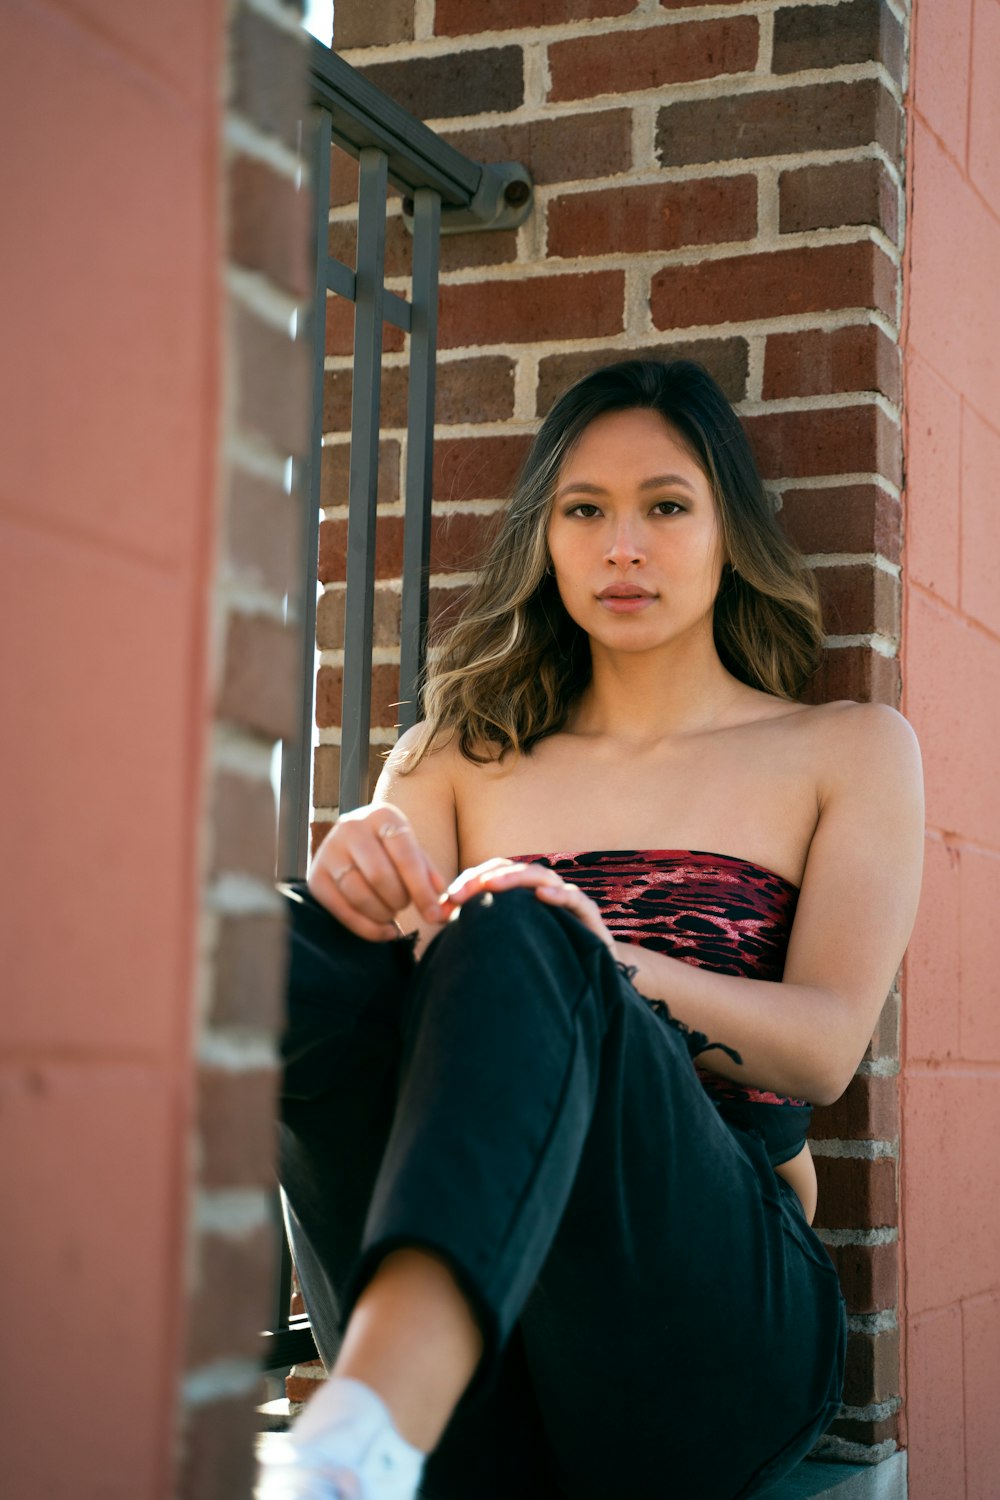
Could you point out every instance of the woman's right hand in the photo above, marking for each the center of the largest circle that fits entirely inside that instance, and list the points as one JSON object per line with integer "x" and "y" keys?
{"x": 370, "y": 867}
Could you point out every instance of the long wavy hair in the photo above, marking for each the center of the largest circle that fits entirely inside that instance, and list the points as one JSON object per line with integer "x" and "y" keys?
{"x": 509, "y": 669}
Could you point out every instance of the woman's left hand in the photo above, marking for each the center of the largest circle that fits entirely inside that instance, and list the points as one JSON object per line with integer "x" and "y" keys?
{"x": 506, "y": 874}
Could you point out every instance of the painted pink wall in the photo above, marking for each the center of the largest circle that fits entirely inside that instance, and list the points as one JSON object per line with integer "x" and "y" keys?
{"x": 951, "y": 676}
{"x": 109, "y": 389}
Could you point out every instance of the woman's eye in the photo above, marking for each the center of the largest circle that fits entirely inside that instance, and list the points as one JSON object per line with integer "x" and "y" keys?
{"x": 672, "y": 507}
{"x": 574, "y": 510}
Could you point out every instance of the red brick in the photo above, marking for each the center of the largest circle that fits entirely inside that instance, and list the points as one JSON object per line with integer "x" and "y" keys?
{"x": 263, "y": 532}
{"x": 680, "y": 52}
{"x": 482, "y": 468}
{"x": 694, "y": 4}
{"x": 333, "y": 549}
{"x": 457, "y": 542}
{"x": 859, "y": 599}
{"x": 466, "y": 390}
{"x": 343, "y": 178}
{"x": 725, "y": 359}
{"x": 885, "y": 1037}
{"x": 273, "y": 385}
{"x": 844, "y": 192}
{"x": 358, "y": 23}
{"x": 217, "y": 1448}
{"x": 468, "y": 17}
{"x": 868, "y": 1433}
{"x": 340, "y": 329}
{"x": 236, "y": 1127}
{"x": 476, "y": 82}
{"x": 855, "y": 1193}
{"x": 384, "y": 701}
{"x": 318, "y": 831}
{"x": 869, "y": 1275}
{"x": 335, "y": 473}
{"x": 267, "y": 70}
{"x": 858, "y": 673}
{"x": 660, "y": 216}
{"x": 820, "y": 362}
{"x": 444, "y": 607}
{"x": 342, "y": 245}
{"x": 304, "y": 1387}
{"x": 868, "y": 1110}
{"x": 326, "y": 772}
{"x": 581, "y": 306}
{"x": 270, "y": 225}
{"x": 330, "y": 618}
{"x": 831, "y": 440}
{"x": 242, "y": 822}
{"x": 260, "y": 676}
{"x": 832, "y": 36}
{"x": 569, "y": 149}
{"x": 854, "y": 518}
{"x": 233, "y": 1283}
{"x": 779, "y": 122}
{"x": 250, "y": 964}
{"x": 490, "y": 247}
{"x": 774, "y": 284}
{"x": 872, "y": 1374}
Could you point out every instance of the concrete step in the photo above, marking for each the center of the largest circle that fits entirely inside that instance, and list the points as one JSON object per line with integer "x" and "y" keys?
{"x": 813, "y": 1480}
{"x": 810, "y": 1481}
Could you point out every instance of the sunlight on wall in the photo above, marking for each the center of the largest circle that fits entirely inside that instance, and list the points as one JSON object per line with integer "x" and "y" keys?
{"x": 318, "y": 20}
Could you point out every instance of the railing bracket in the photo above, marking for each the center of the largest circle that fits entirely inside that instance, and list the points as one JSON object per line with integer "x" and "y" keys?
{"x": 503, "y": 200}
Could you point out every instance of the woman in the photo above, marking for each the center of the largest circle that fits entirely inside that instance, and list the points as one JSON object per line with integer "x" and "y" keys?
{"x": 544, "y": 1156}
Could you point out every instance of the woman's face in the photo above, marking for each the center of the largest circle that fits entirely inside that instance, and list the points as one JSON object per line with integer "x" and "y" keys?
{"x": 633, "y": 533}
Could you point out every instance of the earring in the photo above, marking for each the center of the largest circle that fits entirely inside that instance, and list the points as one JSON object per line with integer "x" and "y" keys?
{"x": 550, "y": 570}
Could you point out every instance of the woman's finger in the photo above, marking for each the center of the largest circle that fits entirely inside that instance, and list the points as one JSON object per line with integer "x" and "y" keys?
{"x": 499, "y": 874}
{"x": 325, "y": 884}
{"x": 383, "y": 893}
{"x": 414, "y": 871}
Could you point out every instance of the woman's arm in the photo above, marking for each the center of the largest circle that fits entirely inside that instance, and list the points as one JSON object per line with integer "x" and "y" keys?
{"x": 805, "y": 1035}
{"x": 382, "y": 868}
{"x": 426, "y": 796}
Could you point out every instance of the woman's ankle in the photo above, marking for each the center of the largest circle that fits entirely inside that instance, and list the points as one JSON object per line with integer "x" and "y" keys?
{"x": 413, "y": 1339}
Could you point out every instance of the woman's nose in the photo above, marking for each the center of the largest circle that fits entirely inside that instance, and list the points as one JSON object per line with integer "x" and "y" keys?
{"x": 626, "y": 546}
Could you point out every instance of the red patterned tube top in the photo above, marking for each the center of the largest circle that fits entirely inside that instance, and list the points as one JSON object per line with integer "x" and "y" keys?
{"x": 716, "y": 911}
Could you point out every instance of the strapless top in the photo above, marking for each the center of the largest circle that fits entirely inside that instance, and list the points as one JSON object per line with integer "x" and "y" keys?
{"x": 716, "y": 911}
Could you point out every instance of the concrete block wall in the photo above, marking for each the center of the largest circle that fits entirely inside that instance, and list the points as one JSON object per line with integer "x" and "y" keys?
{"x": 951, "y": 1039}
{"x": 722, "y": 181}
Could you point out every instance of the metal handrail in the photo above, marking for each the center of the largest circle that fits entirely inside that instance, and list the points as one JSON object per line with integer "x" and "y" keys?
{"x": 447, "y": 192}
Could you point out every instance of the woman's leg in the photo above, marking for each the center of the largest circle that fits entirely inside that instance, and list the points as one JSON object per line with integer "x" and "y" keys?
{"x": 342, "y": 1050}
{"x": 552, "y": 1140}
{"x": 552, "y": 1143}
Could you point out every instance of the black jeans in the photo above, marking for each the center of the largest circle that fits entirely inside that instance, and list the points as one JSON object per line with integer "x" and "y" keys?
{"x": 659, "y": 1318}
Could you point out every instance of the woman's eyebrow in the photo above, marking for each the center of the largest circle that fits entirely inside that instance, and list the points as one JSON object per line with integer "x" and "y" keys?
{"x": 657, "y": 482}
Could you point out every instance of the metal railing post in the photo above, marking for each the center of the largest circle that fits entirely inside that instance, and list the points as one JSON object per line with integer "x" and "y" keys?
{"x": 419, "y": 452}
{"x": 363, "y": 488}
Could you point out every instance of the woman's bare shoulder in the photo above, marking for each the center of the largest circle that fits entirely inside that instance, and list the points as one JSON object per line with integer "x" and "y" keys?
{"x": 856, "y": 750}
{"x": 848, "y": 726}
{"x": 421, "y": 751}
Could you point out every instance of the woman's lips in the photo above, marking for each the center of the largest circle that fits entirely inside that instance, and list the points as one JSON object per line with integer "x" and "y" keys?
{"x": 625, "y": 604}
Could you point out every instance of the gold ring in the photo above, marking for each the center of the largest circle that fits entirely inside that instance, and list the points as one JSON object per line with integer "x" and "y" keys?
{"x": 338, "y": 875}
{"x": 388, "y": 830}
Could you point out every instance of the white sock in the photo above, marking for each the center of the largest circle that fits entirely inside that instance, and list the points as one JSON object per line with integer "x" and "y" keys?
{"x": 346, "y": 1434}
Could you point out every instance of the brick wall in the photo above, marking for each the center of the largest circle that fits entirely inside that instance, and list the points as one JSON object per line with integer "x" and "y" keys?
{"x": 240, "y": 980}
{"x": 716, "y": 181}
